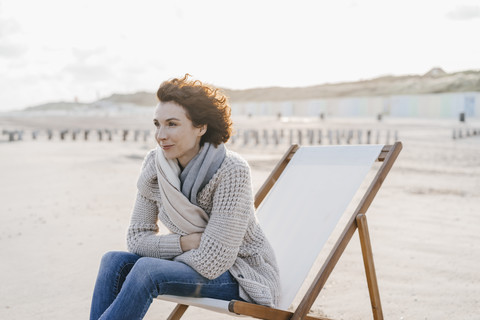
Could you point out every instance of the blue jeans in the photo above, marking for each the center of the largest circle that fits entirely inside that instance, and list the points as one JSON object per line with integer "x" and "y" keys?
{"x": 127, "y": 283}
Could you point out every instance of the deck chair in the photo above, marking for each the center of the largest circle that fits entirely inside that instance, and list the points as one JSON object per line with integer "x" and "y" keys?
{"x": 301, "y": 202}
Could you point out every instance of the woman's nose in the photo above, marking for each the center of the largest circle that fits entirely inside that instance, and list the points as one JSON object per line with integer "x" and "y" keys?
{"x": 161, "y": 134}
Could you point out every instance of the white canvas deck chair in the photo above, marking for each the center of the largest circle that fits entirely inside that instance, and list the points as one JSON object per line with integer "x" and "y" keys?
{"x": 298, "y": 207}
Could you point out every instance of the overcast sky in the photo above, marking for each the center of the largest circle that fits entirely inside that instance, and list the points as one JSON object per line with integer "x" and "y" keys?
{"x": 52, "y": 50}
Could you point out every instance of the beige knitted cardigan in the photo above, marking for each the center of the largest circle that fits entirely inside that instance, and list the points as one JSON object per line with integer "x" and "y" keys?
{"x": 232, "y": 240}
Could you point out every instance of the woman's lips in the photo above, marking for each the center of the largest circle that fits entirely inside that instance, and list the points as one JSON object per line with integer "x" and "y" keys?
{"x": 166, "y": 147}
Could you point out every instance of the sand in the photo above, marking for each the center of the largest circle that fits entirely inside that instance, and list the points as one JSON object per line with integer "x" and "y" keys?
{"x": 65, "y": 203}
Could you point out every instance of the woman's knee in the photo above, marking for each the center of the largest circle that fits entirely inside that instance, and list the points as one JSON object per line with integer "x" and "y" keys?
{"x": 142, "y": 276}
{"x": 143, "y": 267}
{"x": 161, "y": 270}
{"x": 159, "y": 273}
{"x": 117, "y": 258}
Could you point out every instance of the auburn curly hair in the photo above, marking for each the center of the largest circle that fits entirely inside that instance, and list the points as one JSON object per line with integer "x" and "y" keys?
{"x": 203, "y": 105}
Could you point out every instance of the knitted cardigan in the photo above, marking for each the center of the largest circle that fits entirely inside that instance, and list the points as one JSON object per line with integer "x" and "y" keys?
{"x": 232, "y": 240}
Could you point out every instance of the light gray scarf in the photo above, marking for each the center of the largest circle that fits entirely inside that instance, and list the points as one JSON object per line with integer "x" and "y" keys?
{"x": 178, "y": 205}
{"x": 200, "y": 170}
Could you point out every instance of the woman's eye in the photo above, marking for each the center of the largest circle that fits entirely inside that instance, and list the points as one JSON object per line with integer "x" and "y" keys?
{"x": 172, "y": 124}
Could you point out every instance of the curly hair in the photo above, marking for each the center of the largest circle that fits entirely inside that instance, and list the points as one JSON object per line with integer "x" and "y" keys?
{"x": 204, "y": 105}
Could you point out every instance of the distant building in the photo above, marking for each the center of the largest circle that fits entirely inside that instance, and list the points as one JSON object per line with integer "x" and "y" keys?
{"x": 439, "y": 105}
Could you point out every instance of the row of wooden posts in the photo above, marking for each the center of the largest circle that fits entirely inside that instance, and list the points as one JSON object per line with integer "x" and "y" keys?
{"x": 312, "y": 136}
{"x": 106, "y": 134}
{"x": 464, "y": 133}
{"x": 243, "y": 137}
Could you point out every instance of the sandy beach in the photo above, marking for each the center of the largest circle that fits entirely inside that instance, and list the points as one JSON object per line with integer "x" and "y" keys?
{"x": 65, "y": 203}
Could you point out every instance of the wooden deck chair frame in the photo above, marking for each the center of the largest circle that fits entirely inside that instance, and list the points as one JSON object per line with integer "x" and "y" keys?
{"x": 388, "y": 155}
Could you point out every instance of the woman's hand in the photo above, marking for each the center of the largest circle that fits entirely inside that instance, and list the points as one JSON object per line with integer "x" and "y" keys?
{"x": 191, "y": 241}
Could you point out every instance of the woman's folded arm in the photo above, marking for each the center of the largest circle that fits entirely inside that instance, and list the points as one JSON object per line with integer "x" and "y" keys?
{"x": 143, "y": 238}
{"x": 221, "y": 240}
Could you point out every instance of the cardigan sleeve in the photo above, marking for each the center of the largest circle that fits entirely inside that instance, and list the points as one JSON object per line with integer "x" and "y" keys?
{"x": 143, "y": 238}
{"x": 231, "y": 210}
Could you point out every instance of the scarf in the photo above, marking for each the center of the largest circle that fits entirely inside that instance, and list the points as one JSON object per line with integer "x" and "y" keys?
{"x": 179, "y": 189}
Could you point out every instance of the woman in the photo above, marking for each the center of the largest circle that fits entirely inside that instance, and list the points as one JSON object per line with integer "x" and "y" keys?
{"x": 202, "y": 193}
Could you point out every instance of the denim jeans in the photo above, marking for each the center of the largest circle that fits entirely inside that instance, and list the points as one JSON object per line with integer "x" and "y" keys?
{"x": 127, "y": 283}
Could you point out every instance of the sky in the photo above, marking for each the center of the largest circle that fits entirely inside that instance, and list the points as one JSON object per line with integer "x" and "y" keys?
{"x": 62, "y": 50}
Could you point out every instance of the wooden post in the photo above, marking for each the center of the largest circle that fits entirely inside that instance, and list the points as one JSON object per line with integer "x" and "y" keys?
{"x": 11, "y": 135}
{"x": 275, "y": 137}
{"x": 310, "y": 136}
{"x": 109, "y": 134}
{"x": 146, "y": 134}
{"x": 62, "y": 134}
{"x": 349, "y": 136}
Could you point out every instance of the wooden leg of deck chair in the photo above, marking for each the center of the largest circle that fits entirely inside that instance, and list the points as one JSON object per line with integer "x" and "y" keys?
{"x": 178, "y": 312}
{"x": 369, "y": 266}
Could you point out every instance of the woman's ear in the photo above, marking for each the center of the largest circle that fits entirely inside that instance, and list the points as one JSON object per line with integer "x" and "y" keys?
{"x": 203, "y": 129}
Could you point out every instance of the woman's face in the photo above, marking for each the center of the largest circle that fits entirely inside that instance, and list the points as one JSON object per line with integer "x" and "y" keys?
{"x": 175, "y": 132}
